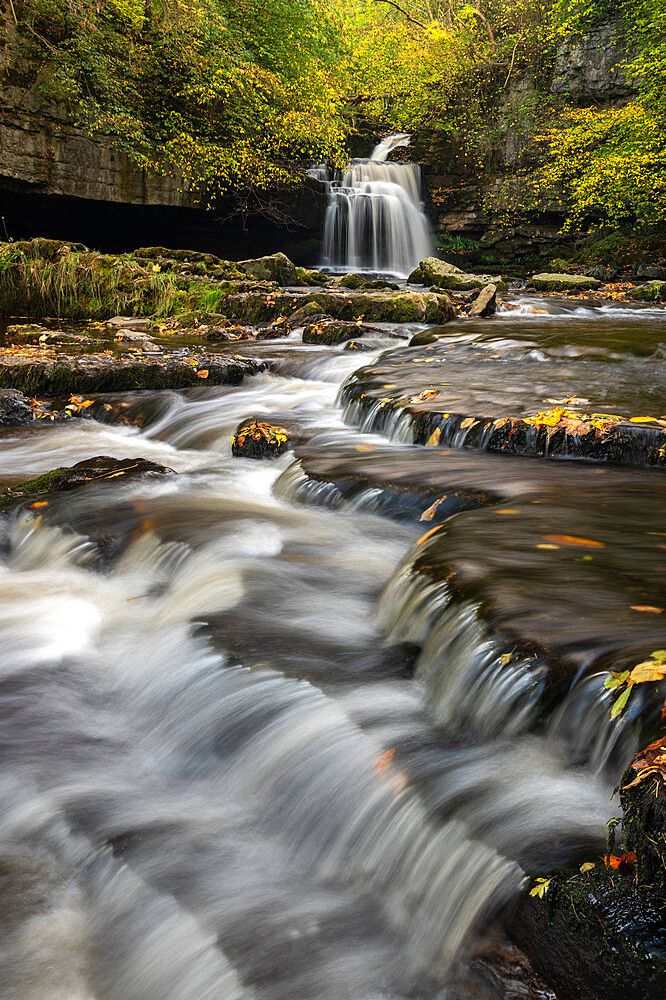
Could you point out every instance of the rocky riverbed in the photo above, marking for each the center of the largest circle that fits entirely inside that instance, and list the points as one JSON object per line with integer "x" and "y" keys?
{"x": 372, "y": 668}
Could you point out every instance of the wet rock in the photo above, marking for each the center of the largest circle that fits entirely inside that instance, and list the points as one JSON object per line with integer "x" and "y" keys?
{"x": 595, "y": 935}
{"x": 32, "y": 333}
{"x": 274, "y": 267}
{"x": 356, "y": 281}
{"x": 259, "y": 440}
{"x": 333, "y": 332}
{"x": 229, "y": 333}
{"x": 651, "y": 291}
{"x": 564, "y": 282}
{"x": 644, "y": 820}
{"x": 41, "y": 373}
{"x": 311, "y": 310}
{"x": 14, "y": 408}
{"x": 485, "y": 304}
{"x": 137, "y": 341}
{"x": 128, "y": 323}
{"x": 365, "y": 344}
{"x": 102, "y": 468}
{"x": 441, "y": 274}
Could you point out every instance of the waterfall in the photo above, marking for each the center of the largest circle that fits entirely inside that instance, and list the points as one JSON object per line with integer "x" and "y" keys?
{"x": 374, "y": 220}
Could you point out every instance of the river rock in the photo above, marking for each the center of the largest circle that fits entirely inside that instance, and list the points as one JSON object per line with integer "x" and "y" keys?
{"x": 564, "y": 282}
{"x": 259, "y": 440}
{"x": 274, "y": 267}
{"x": 99, "y": 469}
{"x": 442, "y": 274}
{"x": 485, "y": 304}
{"x": 32, "y": 333}
{"x": 652, "y": 272}
{"x": 651, "y": 291}
{"x": 310, "y": 277}
{"x": 128, "y": 323}
{"x": 43, "y": 373}
{"x": 334, "y": 331}
{"x": 14, "y": 408}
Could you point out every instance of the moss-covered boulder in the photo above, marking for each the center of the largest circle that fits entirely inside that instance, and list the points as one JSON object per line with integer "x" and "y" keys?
{"x": 259, "y": 440}
{"x": 274, "y": 267}
{"x": 564, "y": 282}
{"x": 99, "y": 469}
{"x": 310, "y": 277}
{"x": 651, "y": 291}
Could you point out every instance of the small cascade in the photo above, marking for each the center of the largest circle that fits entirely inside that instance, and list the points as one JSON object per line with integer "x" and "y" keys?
{"x": 374, "y": 220}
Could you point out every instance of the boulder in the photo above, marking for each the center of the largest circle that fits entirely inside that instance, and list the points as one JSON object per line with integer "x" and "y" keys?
{"x": 259, "y": 440}
{"x": 63, "y": 479}
{"x": 334, "y": 331}
{"x": 128, "y": 322}
{"x": 309, "y": 277}
{"x": 652, "y": 272}
{"x": 651, "y": 291}
{"x": 564, "y": 282}
{"x": 14, "y": 408}
{"x": 441, "y": 274}
{"x": 485, "y": 304}
{"x": 274, "y": 267}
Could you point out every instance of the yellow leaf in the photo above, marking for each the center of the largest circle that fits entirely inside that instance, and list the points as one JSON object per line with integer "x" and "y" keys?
{"x": 587, "y": 867}
{"x": 649, "y": 670}
{"x": 433, "y": 440}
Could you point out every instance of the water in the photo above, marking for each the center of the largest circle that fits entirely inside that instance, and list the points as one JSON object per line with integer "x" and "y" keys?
{"x": 232, "y": 764}
{"x": 374, "y": 220}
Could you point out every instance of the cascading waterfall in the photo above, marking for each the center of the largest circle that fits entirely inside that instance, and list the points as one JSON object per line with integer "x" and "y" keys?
{"x": 374, "y": 220}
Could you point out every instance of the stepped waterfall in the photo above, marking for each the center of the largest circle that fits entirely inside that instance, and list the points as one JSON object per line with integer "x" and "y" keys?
{"x": 374, "y": 220}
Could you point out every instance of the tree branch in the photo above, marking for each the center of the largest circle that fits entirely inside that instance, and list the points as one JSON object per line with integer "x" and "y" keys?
{"x": 404, "y": 13}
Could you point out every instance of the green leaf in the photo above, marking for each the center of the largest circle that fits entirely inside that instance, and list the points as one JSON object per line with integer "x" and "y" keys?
{"x": 621, "y": 701}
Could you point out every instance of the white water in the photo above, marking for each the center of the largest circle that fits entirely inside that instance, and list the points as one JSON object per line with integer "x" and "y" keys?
{"x": 374, "y": 220}
{"x": 183, "y": 822}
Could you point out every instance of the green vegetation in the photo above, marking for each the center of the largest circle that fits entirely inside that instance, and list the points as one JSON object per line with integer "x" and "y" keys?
{"x": 234, "y": 94}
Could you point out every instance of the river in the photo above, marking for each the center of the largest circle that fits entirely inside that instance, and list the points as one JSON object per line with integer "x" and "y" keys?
{"x": 247, "y": 751}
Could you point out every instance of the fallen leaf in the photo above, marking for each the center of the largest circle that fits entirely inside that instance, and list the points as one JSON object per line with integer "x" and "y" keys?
{"x": 433, "y": 440}
{"x": 647, "y": 608}
{"x": 574, "y": 540}
{"x": 383, "y": 762}
{"x": 203, "y": 373}
{"x": 587, "y": 867}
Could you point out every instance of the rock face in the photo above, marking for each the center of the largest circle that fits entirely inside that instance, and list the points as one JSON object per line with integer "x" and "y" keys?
{"x": 586, "y": 73}
{"x": 564, "y": 282}
{"x": 589, "y": 66}
{"x": 56, "y": 179}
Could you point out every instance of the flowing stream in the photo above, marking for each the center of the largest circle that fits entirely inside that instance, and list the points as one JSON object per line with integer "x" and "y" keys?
{"x": 223, "y": 774}
{"x": 375, "y": 221}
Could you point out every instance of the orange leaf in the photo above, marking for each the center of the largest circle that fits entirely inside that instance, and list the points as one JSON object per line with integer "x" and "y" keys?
{"x": 573, "y": 540}
{"x": 40, "y": 503}
{"x": 383, "y": 762}
{"x": 648, "y": 608}
{"x": 203, "y": 373}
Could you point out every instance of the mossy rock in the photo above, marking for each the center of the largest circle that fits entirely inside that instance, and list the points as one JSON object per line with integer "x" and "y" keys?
{"x": 330, "y": 332}
{"x": 92, "y": 470}
{"x": 309, "y": 278}
{"x": 651, "y": 291}
{"x": 258, "y": 440}
{"x": 441, "y": 274}
{"x": 274, "y": 267}
{"x": 564, "y": 282}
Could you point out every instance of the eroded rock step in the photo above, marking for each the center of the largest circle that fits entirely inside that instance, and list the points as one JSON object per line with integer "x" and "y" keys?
{"x": 498, "y": 394}
{"x": 536, "y": 556}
